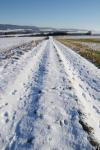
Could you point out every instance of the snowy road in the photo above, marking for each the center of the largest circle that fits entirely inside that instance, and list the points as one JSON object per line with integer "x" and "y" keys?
{"x": 49, "y": 100}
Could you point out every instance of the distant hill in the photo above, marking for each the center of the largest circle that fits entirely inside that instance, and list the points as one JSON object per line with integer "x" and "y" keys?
{"x": 34, "y": 28}
{"x": 8, "y": 29}
{"x": 13, "y": 27}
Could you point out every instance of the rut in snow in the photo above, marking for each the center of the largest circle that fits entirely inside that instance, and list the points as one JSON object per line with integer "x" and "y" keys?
{"x": 44, "y": 113}
{"x": 51, "y": 119}
{"x": 24, "y": 128}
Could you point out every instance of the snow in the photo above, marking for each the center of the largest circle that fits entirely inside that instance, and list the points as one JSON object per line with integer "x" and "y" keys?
{"x": 12, "y": 42}
{"x": 38, "y": 93}
{"x": 85, "y": 78}
{"x": 15, "y": 90}
{"x": 93, "y": 46}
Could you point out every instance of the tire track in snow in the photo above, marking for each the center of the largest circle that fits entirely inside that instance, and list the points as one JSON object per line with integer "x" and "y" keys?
{"x": 14, "y": 100}
{"x": 89, "y": 117}
{"x": 46, "y": 116}
{"x": 58, "y": 126}
{"x": 24, "y": 132}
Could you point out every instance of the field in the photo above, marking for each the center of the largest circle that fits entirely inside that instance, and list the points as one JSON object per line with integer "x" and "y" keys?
{"x": 49, "y": 94}
{"x": 86, "y": 47}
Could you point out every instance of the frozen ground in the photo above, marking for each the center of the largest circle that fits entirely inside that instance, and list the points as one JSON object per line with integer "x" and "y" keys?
{"x": 48, "y": 96}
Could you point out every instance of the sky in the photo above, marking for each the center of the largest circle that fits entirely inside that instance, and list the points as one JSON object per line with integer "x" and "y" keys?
{"x": 82, "y": 14}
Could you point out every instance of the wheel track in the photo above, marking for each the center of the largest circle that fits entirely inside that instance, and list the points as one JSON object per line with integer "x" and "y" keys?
{"x": 47, "y": 114}
{"x": 25, "y": 127}
{"x": 20, "y": 101}
{"x": 84, "y": 98}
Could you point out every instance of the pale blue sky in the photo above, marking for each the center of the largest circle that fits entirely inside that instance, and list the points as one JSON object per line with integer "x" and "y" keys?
{"x": 52, "y": 13}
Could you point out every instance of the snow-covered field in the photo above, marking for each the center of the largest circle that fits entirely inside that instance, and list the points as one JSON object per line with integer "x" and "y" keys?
{"x": 7, "y": 43}
{"x": 49, "y": 96}
{"x": 93, "y": 46}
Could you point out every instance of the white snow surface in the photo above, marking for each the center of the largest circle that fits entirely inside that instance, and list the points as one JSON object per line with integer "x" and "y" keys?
{"x": 7, "y": 43}
{"x": 38, "y": 93}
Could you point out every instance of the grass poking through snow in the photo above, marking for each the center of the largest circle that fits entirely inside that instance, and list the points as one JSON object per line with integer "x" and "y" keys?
{"x": 83, "y": 50}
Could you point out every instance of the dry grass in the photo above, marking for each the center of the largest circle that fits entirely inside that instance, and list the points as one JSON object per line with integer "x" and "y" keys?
{"x": 91, "y": 40}
{"x": 85, "y": 51}
{"x": 89, "y": 130}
